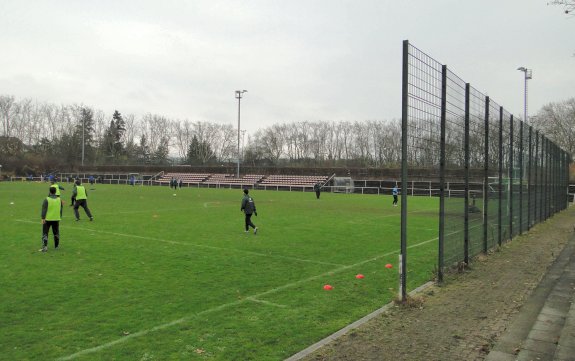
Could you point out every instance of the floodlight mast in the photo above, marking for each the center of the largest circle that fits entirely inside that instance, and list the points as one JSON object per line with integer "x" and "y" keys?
{"x": 239, "y": 94}
{"x": 83, "y": 141}
{"x": 527, "y": 75}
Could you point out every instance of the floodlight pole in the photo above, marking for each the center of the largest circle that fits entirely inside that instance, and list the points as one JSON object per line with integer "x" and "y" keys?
{"x": 239, "y": 94}
{"x": 527, "y": 75}
{"x": 243, "y": 142}
{"x": 83, "y": 127}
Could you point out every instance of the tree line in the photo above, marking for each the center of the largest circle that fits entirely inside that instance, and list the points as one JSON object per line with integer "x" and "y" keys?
{"x": 48, "y": 136}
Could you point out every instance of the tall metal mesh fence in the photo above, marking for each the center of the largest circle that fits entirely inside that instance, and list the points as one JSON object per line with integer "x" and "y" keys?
{"x": 496, "y": 175}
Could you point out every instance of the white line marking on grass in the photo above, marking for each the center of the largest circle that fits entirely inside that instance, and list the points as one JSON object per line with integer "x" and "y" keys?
{"x": 146, "y": 211}
{"x": 208, "y": 204}
{"x": 303, "y": 260}
{"x": 226, "y": 305}
{"x": 145, "y": 332}
{"x": 253, "y": 299}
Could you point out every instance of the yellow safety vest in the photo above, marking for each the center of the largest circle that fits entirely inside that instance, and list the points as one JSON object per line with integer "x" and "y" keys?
{"x": 81, "y": 193}
{"x": 54, "y": 209}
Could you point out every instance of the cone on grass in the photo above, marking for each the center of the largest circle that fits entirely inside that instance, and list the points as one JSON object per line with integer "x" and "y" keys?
{"x": 328, "y": 287}
{"x": 359, "y": 276}
{"x": 388, "y": 265}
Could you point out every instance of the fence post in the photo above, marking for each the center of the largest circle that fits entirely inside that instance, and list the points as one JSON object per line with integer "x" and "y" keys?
{"x": 542, "y": 180}
{"x": 500, "y": 191}
{"x": 442, "y": 174}
{"x": 565, "y": 176}
{"x": 510, "y": 176}
{"x": 554, "y": 178}
{"x": 404, "y": 119}
{"x": 537, "y": 175}
{"x": 466, "y": 199}
{"x": 521, "y": 209}
{"x": 529, "y": 178}
{"x": 567, "y": 162}
{"x": 485, "y": 176}
{"x": 546, "y": 183}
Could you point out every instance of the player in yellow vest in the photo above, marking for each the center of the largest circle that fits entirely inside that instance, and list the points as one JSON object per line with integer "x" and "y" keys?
{"x": 81, "y": 196}
{"x": 51, "y": 216}
{"x": 57, "y": 187}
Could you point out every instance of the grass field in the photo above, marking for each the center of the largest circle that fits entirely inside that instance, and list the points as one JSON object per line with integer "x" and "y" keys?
{"x": 163, "y": 277}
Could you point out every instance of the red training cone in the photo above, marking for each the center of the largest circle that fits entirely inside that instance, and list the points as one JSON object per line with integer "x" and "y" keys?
{"x": 328, "y": 287}
{"x": 388, "y": 265}
{"x": 359, "y": 276}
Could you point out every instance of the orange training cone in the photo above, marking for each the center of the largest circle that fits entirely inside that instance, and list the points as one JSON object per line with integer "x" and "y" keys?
{"x": 328, "y": 287}
{"x": 388, "y": 265}
{"x": 359, "y": 276}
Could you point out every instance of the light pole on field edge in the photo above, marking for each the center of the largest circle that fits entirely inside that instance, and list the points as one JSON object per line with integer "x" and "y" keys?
{"x": 527, "y": 75}
{"x": 239, "y": 94}
{"x": 83, "y": 142}
{"x": 243, "y": 142}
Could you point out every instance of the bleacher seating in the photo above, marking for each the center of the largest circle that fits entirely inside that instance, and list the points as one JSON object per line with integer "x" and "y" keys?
{"x": 246, "y": 180}
{"x": 185, "y": 177}
{"x": 293, "y": 180}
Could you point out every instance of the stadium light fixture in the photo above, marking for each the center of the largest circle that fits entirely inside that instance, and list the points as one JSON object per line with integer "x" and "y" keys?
{"x": 527, "y": 75}
{"x": 239, "y": 94}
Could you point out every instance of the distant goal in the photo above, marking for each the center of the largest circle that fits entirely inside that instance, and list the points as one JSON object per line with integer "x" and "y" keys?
{"x": 342, "y": 185}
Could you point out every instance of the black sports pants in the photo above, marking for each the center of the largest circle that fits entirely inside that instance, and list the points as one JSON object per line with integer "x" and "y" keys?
{"x": 84, "y": 204}
{"x": 55, "y": 230}
{"x": 249, "y": 222}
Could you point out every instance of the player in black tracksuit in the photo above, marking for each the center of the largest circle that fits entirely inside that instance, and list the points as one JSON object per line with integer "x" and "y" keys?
{"x": 317, "y": 189}
{"x": 249, "y": 208}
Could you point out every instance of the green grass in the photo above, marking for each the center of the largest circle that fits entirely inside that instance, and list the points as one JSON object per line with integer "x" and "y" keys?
{"x": 158, "y": 277}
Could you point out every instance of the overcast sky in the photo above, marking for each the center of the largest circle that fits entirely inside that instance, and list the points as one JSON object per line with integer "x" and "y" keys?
{"x": 299, "y": 59}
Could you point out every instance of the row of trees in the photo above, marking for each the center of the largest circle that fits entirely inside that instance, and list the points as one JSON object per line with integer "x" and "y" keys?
{"x": 46, "y": 130}
{"x": 37, "y": 132}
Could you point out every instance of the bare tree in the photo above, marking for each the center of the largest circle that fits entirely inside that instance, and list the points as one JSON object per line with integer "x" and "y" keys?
{"x": 182, "y": 137}
{"x": 158, "y": 132}
{"x": 224, "y": 142}
{"x": 206, "y": 135}
{"x": 568, "y": 5}
{"x": 7, "y": 107}
{"x": 557, "y": 121}
{"x": 271, "y": 143}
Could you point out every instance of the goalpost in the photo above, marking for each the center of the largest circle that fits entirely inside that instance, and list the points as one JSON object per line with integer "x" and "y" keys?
{"x": 343, "y": 185}
{"x": 138, "y": 179}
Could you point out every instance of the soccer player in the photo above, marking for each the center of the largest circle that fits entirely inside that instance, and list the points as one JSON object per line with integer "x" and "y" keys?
{"x": 73, "y": 198}
{"x": 317, "y": 189}
{"x": 51, "y": 216}
{"x": 56, "y": 186}
{"x": 81, "y": 196}
{"x": 395, "y": 192}
{"x": 249, "y": 208}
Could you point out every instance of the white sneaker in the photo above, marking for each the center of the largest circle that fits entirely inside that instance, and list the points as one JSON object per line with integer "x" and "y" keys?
{"x": 256, "y": 230}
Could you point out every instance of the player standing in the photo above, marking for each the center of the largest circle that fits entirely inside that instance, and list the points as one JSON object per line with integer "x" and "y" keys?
{"x": 51, "y": 216}
{"x": 249, "y": 208}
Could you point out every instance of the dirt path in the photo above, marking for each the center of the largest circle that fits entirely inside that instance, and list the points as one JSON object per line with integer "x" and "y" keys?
{"x": 462, "y": 319}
